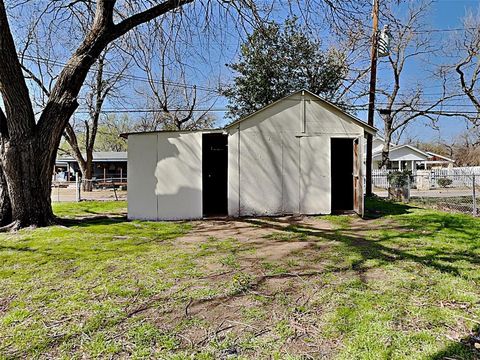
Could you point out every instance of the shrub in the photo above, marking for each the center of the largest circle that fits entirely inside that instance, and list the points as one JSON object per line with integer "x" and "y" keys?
{"x": 399, "y": 179}
{"x": 444, "y": 182}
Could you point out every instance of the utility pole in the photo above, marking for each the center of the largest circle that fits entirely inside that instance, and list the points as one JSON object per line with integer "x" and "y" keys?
{"x": 371, "y": 98}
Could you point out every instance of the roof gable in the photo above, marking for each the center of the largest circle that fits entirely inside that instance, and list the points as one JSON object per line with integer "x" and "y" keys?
{"x": 401, "y": 151}
{"x": 370, "y": 129}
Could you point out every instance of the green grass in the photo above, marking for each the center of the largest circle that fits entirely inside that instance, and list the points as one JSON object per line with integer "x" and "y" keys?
{"x": 404, "y": 284}
{"x": 75, "y": 209}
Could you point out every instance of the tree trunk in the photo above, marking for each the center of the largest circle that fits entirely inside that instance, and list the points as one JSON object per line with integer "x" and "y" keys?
{"x": 385, "y": 164}
{"x": 28, "y": 173}
{"x": 5, "y": 206}
{"x": 87, "y": 173}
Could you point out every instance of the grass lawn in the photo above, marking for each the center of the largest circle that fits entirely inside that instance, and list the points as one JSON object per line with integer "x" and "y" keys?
{"x": 403, "y": 284}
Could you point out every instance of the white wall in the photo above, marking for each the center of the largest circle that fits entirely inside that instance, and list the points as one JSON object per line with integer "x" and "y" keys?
{"x": 165, "y": 176}
{"x": 142, "y": 160}
{"x": 179, "y": 176}
{"x": 279, "y": 158}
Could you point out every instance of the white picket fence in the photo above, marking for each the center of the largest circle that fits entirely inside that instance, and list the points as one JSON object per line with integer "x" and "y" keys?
{"x": 460, "y": 176}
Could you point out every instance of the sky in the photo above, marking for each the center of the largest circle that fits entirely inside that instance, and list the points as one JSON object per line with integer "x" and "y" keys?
{"x": 208, "y": 53}
{"x": 446, "y": 14}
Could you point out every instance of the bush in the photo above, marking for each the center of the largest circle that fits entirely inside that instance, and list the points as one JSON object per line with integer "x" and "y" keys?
{"x": 399, "y": 179}
{"x": 444, "y": 182}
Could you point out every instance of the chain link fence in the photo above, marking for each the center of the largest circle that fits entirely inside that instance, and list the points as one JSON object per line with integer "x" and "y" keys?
{"x": 448, "y": 192}
{"x": 97, "y": 189}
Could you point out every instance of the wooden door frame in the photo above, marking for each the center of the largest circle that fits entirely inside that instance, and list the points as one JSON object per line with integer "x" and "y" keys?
{"x": 358, "y": 205}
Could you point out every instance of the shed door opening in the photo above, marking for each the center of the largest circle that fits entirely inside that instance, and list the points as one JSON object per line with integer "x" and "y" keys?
{"x": 342, "y": 174}
{"x": 214, "y": 174}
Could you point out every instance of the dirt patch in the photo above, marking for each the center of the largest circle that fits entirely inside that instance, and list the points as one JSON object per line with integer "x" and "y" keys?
{"x": 278, "y": 251}
{"x": 4, "y": 303}
{"x": 373, "y": 275}
{"x": 264, "y": 274}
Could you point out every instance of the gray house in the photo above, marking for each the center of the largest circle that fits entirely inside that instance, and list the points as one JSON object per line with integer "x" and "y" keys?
{"x": 106, "y": 165}
{"x": 298, "y": 155}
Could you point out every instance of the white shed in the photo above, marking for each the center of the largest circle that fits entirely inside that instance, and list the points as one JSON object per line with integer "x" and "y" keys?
{"x": 298, "y": 155}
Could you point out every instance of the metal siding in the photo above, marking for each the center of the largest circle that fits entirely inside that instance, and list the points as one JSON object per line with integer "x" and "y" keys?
{"x": 283, "y": 117}
{"x": 279, "y": 169}
{"x": 290, "y": 166}
{"x": 233, "y": 173}
{"x": 142, "y": 159}
{"x": 322, "y": 118}
{"x": 315, "y": 183}
{"x": 260, "y": 173}
{"x": 179, "y": 176}
{"x": 274, "y": 167}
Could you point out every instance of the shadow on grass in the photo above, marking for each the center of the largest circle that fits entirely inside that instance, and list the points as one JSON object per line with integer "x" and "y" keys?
{"x": 92, "y": 220}
{"x": 371, "y": 249}
{"x": 376, "y": 208}
{"x": 464, "y": 349}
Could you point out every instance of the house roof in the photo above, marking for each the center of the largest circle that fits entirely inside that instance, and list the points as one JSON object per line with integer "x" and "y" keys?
{"x": 99, "y": 156}
{"x": 414, "y": 149}
{"x": 440, "y": 156}
{"x": 370, "y": 129}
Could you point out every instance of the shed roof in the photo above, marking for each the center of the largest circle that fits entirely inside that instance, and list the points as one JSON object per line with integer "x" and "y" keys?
{"x": 125, "y": 135}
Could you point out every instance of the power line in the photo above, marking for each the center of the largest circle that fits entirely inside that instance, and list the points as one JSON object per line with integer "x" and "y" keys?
{"x": 126, "y": 76}
{"x": 443, "y": 30}
{"x": 363, "y": 108}
{"x": 437, "y": 105}
{"x": 425, "y": 31}
{"x": 121, "y": 111}
{"x": 426, "y": 111}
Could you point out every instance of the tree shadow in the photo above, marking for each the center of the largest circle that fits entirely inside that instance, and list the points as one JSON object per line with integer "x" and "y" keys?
{"x": 92, "y": 221}
{"x": 376, "y": 208}
{"x": 463, "y": 349}
{"x": 367, "y": 249}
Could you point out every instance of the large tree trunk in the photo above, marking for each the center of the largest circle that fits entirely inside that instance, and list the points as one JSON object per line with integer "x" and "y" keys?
{"x": 5, "y": 206}
{"x": 28, "y": 173}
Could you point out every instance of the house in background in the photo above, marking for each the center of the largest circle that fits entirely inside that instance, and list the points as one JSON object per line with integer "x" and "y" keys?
{"x": 106, "y": 165}
{"x": 408, "y": 157}
{"x": 298, "y": 155}
{"x": 436, "y": 161}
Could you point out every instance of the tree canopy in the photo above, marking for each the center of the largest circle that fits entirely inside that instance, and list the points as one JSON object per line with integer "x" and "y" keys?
{"x": 277, "y": 60}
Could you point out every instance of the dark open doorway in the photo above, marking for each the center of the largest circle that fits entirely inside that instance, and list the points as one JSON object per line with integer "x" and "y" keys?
{"x": 342, "y": 174}
{"x": 214, "y": 167}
